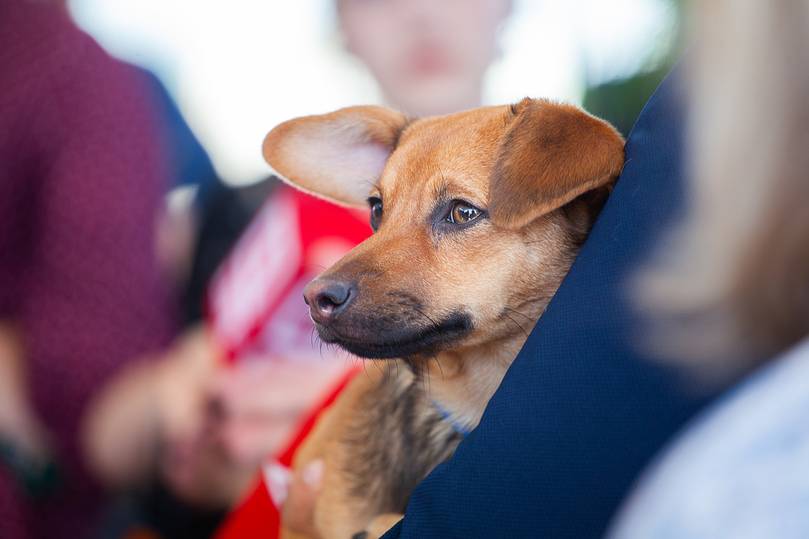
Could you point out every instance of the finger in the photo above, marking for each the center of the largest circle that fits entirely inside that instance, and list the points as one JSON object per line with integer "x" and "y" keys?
{"x": 299, "y": 508}
{"x": 279, "y": 388}
{"x": 249, "y": 442}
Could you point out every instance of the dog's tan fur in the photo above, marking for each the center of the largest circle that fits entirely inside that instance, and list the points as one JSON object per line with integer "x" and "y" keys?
{"x": 540, "y": 171}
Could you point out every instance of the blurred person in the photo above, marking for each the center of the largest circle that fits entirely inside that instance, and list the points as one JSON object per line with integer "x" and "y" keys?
{"x": 428, "y": 57}
{"x": 80, "y": 291}
{"x": 732, "y": 289}
{"x": 92, "y": 397}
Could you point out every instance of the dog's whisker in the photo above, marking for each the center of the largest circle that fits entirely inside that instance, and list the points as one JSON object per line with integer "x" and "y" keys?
{"x": 440, "y": 367}
{"x": 425, "y": 315}
{"x": 538, "y": 299}
{"x": 423, "y": 381}
{"x": 515, "y": 311}
{"x": 370, "y": 183}
{"x": 515, "y": 323}
{"x": 384, "y": 371}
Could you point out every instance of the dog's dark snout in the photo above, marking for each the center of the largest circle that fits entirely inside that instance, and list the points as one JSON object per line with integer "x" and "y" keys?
{"x": 327, "y": 298}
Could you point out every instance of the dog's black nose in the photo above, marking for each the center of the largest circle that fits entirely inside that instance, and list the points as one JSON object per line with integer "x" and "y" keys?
{"x": 327, "y": 298}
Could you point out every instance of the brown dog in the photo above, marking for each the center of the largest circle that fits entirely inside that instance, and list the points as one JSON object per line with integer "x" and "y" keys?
{"x": 477, "y": 217}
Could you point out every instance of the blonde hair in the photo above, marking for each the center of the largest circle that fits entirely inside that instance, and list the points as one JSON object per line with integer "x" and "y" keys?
{"x": 732, "y": 284}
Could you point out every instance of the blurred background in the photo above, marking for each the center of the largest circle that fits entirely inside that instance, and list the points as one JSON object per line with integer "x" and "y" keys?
{"x": 236, "y": 69}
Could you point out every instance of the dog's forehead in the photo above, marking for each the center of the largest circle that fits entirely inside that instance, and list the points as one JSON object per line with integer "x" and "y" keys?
{"x": 456, "y": 147}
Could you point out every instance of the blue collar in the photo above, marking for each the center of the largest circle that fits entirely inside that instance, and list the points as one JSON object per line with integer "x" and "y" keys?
{"x": 447, "y": 416}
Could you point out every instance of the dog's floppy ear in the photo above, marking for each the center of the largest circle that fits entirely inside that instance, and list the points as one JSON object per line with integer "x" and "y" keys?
{"x": 551, "y": 154}
{"x": 337, "y": 156}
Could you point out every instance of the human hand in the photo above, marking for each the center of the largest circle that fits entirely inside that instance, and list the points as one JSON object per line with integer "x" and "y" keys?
{"x": 262, "y": 402}
{"x": 148, "y": 406}
{"x": 192, "y": 460}
{"x": 214, "y": 445}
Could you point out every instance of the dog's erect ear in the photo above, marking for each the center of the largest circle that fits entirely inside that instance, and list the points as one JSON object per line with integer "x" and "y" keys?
{"x": 338, "y": 156}
{"x": 551, "y": 154}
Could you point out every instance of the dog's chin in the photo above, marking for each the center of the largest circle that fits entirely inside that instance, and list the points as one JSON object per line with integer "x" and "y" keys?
{"x": 400, "y": 342}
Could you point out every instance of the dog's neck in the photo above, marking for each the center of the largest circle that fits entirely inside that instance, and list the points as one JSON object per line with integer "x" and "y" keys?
{"x": 463, "y": 382}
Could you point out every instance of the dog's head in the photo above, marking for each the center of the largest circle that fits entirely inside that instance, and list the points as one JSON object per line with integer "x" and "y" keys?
{"x": 477, "y": 218}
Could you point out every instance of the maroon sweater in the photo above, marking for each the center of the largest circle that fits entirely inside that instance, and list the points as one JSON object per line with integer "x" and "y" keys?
{"x": 81, "y": 176}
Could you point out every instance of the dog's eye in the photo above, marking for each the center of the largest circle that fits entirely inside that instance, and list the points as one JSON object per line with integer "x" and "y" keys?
{"x": 376, "y": 211}
{"x": 461, "y": 213}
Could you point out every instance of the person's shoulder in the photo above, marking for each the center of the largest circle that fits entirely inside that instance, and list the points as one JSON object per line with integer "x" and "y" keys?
{"x": 45, "y": 58}
{"x": 36, "y": 32}
{"x": 739, "y": 467}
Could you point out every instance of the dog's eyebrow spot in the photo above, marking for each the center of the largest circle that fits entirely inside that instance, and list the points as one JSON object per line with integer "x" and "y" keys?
{"x": 445, "y": 190}
{"x": 440, "y": 190}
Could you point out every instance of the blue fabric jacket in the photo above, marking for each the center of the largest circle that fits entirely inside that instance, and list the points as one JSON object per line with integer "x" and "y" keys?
{"x": 581, "y": 411}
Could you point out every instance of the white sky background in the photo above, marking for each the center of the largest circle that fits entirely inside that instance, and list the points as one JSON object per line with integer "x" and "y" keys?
{"x": 239, "y": 67}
